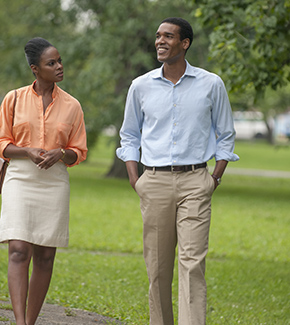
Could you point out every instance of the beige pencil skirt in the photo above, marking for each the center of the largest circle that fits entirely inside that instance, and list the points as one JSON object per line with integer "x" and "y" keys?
{"x": 35, "y": 204}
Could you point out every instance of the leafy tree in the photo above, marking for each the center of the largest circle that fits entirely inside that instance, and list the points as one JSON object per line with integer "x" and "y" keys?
{"x": 250, "y": 42}
{"x": 250, "y": 39}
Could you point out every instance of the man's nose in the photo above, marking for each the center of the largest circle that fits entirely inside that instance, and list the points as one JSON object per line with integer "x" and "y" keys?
{"x": 160, "y": 40}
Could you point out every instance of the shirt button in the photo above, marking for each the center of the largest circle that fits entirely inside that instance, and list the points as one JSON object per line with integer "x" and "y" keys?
{"x": 174, "y": 142}
{"x": 174, "y": 105}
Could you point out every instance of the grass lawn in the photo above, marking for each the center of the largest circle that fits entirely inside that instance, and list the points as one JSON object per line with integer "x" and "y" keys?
{"x": 248, "y": 262}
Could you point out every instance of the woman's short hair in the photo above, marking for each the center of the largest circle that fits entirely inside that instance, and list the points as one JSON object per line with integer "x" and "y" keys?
{"x": 34, "y": 48}
{"x": 185, "y": 29}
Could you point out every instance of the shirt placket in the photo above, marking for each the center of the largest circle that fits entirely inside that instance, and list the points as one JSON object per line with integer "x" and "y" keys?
{"x": 41, "y": 124}
{"x": 45, "y": 117}
{"x": 174, "y": 143}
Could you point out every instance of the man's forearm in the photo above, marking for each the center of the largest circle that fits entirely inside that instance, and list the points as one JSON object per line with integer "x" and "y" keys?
{"x": 220, "y": 167}
{"x": 132, "y": 169}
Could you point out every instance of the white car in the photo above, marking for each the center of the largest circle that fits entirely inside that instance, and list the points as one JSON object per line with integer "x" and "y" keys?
{"x": 249, "y": 125}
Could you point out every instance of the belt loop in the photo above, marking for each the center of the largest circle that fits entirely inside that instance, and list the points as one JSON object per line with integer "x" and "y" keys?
{"x": 193, "y": 169}
{"x": 154, "y": 170}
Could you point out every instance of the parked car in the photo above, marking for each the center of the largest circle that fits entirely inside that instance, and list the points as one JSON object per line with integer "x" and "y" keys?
{"x": 249, "y": 125}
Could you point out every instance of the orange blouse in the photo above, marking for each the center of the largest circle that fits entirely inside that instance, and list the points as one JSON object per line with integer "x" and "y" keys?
{"x": 62, "y": 125}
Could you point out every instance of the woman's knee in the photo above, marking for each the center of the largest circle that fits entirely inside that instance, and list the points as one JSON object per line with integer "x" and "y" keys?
{"x": 19, "y": 251}
{"x": 43, "y": 257}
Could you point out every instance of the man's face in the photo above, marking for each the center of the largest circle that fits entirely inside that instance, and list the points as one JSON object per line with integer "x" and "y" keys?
{"x": 168, "y": 45}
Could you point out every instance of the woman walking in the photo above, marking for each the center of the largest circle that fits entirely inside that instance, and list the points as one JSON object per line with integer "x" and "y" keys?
{"x": 42, "y": 132}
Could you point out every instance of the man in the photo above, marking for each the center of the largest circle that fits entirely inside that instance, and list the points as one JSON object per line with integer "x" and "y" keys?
{"x": 181, "y": 117}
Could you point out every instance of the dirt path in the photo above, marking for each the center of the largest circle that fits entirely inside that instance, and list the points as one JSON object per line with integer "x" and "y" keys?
{"x": 57, "y": 315}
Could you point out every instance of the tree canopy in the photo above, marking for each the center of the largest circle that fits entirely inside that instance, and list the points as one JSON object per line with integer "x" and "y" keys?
{"x": 250, "y": 40}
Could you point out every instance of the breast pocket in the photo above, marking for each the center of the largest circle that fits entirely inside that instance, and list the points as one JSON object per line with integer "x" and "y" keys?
{"x": 63, "y": 133}
{"x": 22, "y": 134}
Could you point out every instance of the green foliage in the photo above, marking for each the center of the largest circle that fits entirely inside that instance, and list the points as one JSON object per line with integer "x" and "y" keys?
{"x": 19, "y": 22}
{"x": 250, "y": 40}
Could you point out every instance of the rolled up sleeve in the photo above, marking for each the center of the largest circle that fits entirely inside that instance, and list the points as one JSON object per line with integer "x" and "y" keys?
{"x": 78, "y": 140}
{"x": 223, "y": 124}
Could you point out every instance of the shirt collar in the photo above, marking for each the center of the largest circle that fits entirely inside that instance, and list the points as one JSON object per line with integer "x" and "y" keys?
{"x": 189, "y": 71}
{"x": 54, "y": 92}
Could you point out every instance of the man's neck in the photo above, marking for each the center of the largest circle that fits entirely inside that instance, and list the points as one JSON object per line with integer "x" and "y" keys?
{"x": 175, "y": 71}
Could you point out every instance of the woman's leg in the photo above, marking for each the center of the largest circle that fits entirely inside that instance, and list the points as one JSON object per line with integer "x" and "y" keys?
{"x": 43, "y": 259}
{"x": 20, "y": 253}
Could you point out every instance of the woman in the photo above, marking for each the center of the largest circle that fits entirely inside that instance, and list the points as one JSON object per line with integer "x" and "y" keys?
{"x": 41, "y": 136}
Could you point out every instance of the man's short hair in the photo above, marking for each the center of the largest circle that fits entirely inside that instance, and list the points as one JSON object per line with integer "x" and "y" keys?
{"x": 185, "y": 29}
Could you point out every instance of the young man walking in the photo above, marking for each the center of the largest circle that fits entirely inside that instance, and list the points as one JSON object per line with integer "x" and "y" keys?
{"x": 181, "y": 117}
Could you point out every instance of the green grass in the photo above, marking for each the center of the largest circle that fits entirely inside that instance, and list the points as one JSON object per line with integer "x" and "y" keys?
{"x": 260, "y": 155}
{"x": 248, "y": 262}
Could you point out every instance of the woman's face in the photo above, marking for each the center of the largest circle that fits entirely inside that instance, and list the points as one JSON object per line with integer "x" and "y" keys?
{"x": 50, "y": 68}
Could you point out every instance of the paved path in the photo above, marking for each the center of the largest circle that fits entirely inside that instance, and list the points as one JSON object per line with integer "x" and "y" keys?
{"x": 257, "y": 172}
{"x": 57, "y": 315}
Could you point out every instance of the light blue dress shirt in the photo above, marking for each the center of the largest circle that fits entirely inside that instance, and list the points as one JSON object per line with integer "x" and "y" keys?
{"x": 186, "y": 123}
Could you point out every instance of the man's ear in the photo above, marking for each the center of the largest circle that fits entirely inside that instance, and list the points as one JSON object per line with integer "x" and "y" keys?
{"x": 185, "y": 43}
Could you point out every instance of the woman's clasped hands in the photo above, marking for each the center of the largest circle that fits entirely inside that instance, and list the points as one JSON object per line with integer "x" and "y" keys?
{"x": 44, "y": 159}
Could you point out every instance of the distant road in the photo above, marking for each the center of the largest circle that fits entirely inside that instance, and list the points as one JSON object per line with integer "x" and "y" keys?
{"x": 255, "y": 172}
{"x": 258, "y": 172}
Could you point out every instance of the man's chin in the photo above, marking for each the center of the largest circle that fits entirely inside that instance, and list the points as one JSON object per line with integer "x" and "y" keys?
{"x": 160, "y": 59}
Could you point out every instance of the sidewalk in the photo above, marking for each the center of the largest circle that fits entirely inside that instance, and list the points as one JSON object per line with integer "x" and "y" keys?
{"x": 258, "y": 172}
{"x": 57, "y": 315}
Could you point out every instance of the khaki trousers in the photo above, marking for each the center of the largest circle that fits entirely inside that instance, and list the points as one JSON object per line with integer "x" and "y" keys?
{"x": 176, "y": 207}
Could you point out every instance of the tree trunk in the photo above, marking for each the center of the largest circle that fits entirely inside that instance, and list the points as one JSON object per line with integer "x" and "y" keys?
{"x": 270, "y": 126}
{"x": 118, "y": 169}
